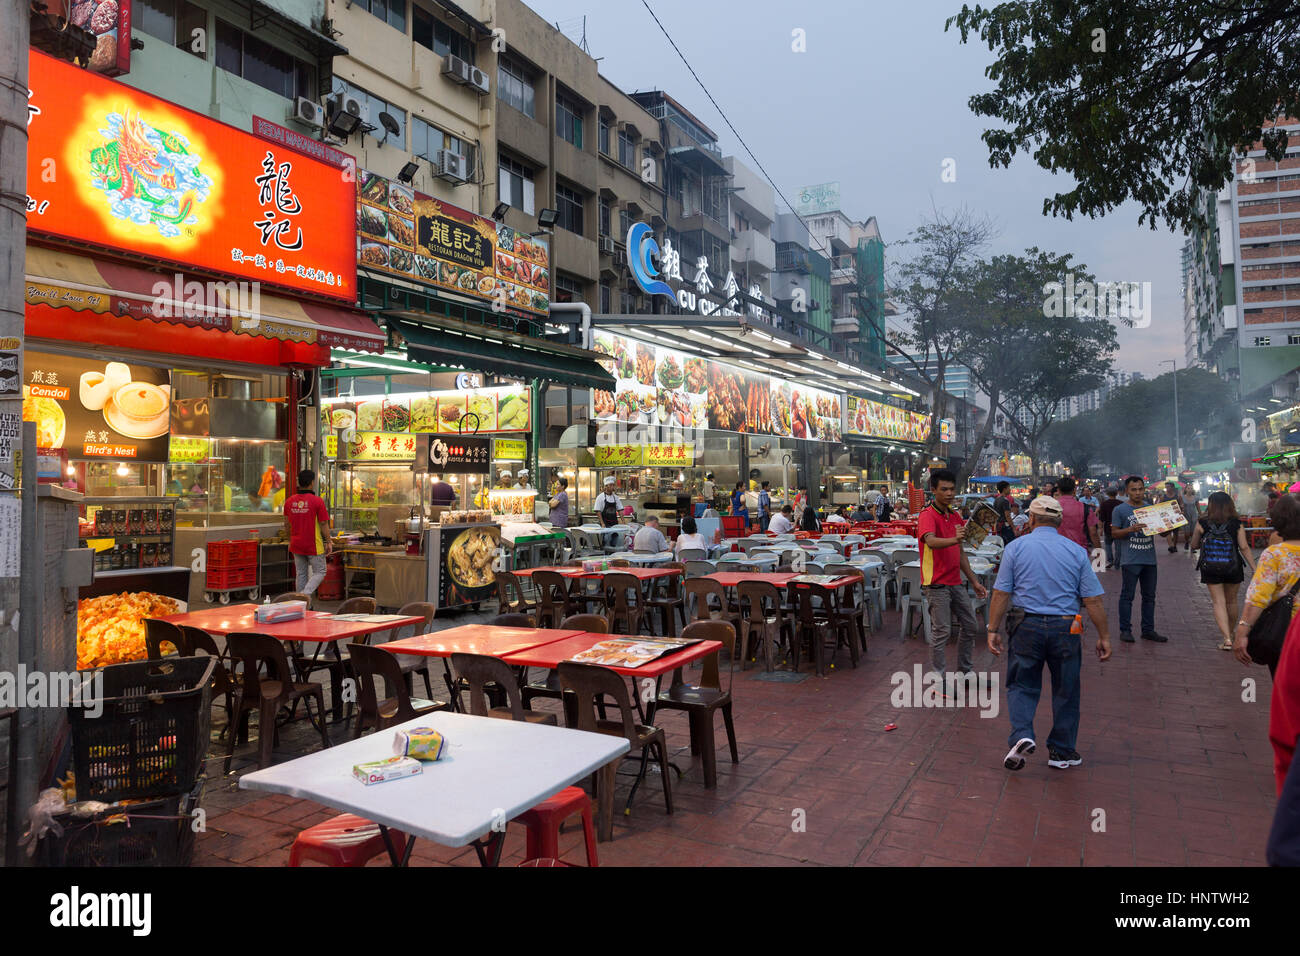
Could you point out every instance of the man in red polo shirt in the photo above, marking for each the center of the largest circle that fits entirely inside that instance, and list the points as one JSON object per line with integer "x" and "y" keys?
{"x": 308, "y": 518}
{"x": 943, "y": 562}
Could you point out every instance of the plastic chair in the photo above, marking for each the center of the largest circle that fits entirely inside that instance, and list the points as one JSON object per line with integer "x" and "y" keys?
{"x": 293, "y": 596}
{"x": 692, "y": 554}
{"x": 410, "y": 663}
{"x": 345, "y": 840}
{"x": 909, "y": 596}
{"x": 819, "y": 615}
{"x": 199, "y": 641}
{"x": 396, "y": 706}
{"x": 853, "y": 601}
{"x": 761, "y": 611}
{"x": 619, "y": 608}
{"x": 553, "y": 602}
{"x": 543, "y": 825}
{"x": 511, "y": 620}
{"x": 589, "y": 623}
{"x": 338, "y": 667}
{"x": 697, "y": 569}
{"x": 267, "y": 695}
{"x": 158, "y": 633}
{"x": 699, "y": 592}
{"x": 702, "y": 700}
{"x": 510, "y": 595}
{"x": 478, "y": 671}
{"x": 669, "y": 602}
{"x": 589, "y": 683}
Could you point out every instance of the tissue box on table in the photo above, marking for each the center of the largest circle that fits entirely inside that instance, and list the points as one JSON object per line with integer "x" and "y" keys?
{"x": 422, "y": 743}
{"x": 284, "y": 611}
{"x": 392, "y": 768}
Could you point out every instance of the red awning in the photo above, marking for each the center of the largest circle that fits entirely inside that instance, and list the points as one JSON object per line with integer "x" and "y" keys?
{"x": 191, "y": 311}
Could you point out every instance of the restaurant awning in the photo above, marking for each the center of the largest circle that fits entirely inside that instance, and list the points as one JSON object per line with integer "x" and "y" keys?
{"x": 437, "y": 340}
{"x": 60, "y": 279}
{"x": 1211, "y": 466}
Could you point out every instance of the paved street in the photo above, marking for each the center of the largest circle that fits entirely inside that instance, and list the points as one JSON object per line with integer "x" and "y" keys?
{"x": 1177, "y": 770}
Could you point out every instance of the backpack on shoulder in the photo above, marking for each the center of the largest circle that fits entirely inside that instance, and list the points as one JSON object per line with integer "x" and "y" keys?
{"x": 1219, "y": 554}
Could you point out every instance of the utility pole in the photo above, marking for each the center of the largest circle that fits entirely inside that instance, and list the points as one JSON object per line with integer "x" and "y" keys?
{"x": 1177, "y": 457}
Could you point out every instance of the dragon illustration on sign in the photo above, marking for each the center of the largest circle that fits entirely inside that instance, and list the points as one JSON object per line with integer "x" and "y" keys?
{"x": 150, "y": 176}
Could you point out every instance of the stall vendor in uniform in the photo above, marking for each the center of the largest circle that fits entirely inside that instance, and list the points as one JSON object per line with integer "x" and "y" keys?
{"x": 607, "y": 504}
{"x": 503, "y": 478}
{"x": 522, "y": 481}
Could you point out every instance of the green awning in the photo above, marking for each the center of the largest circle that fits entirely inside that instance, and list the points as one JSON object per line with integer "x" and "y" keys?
{"x": 1210, "y": 466}
{"x": 512, "y": 355}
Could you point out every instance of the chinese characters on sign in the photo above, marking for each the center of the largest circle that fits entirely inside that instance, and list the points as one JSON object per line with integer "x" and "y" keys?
{"x": 273, "y": 186}
{"x": 618, "y": 456}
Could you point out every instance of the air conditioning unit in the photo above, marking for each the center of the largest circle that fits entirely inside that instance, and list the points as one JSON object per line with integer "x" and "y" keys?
{"x": 451, "y": 166}
{"x": 607, "y": 245}
{"x": 456, "y": 69}
{"x": 308, "y": 111}
{"x": 347, "y": 103}
{"x": 620, "y": 257}
{"x": 479, "y": 80}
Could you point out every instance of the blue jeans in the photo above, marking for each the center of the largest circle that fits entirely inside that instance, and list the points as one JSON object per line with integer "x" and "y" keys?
{"x": 1133, "y": 575}
{"x": 1112, "y": 550}
{"x": 1038, "y": 641}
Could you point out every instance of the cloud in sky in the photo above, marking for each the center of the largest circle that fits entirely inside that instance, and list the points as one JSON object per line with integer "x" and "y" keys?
{"x": 877, "y": 102}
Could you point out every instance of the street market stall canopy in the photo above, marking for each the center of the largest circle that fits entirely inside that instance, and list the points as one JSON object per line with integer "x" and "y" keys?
{"x": 994, "y": 479}
{"x": 196, "y": 315}
{"x": 442, "y": 341}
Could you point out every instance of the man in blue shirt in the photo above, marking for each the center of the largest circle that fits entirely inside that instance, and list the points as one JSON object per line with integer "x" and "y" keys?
{"x": 1045, "y": 576}
{"x": 764, "y": 506}
{"x": 1137, "y": 563}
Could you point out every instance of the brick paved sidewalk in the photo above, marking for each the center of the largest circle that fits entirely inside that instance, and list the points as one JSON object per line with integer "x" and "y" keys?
{"x": 1180, "y": 766}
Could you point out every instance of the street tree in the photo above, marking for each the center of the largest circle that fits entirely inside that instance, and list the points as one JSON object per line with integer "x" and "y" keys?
{"x": 1142, "y": 100}
{"x": 932, "y": 288}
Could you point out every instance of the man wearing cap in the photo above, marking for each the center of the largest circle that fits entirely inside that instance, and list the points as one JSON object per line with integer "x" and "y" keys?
{"x": 607, "y": 504}
{"x": 943, "y": 562}
{"x": 522, "y": 481}
{"x": 1044, "y": 577}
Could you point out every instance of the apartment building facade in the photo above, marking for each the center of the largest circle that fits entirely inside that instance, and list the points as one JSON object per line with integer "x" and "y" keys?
{"x": 857, "y": 259}
{"x": 801, "y": 282}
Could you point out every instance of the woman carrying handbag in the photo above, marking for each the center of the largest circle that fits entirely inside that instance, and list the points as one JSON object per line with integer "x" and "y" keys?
{"x": 1271, "y": 597}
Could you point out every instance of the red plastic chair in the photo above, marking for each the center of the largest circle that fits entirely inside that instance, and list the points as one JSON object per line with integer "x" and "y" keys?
{"x": 345, "y": 840}
{"x": 543, "y": 825}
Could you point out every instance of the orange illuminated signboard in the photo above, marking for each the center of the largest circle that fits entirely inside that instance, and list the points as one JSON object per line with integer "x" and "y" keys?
{"x": 110, "y": 165}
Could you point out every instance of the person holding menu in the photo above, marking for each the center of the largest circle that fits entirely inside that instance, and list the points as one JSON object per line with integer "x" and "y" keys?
{"x": 1137, "y": 563}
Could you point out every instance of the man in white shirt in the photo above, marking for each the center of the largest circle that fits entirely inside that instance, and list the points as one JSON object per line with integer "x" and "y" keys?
{"x": 522, "y": 480}
{"x": 836, "y": 517}
{"x": 607, "y": 504}
{"x": 650, "y": 539}
{"x": 783, "y": 521}
{"x": 710, "y": 489}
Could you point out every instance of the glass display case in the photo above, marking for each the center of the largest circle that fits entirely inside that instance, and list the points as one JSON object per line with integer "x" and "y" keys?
{"x": 218, "y": 480}
{"x": 357, "y": 491}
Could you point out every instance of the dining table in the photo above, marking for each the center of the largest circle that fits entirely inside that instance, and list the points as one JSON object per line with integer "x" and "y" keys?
{"x": 320, "y": 628}
{"x": 492, "y": 771}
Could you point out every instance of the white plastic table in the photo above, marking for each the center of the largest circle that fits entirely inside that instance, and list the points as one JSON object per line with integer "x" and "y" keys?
{"x": 493, "y": 770}
{"x": 760, "y": 559}
{"x": 637, "y": 557}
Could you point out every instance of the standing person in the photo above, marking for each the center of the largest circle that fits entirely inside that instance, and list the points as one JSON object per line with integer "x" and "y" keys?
{"x": 884, "y": 510}
{"x": 1276, "y": 573}
{"x": 522, "y": 482}
{"x": 1104, "y": 514}
{"x": 1284, "y": 734}
{"x": 1172, "y": 493}
{"x": 943, "y": 562}
{"x": 764, "y": 506}
{"x": 1006, "y": 508}
{"x": 308, "y": 522}
{"x": 559, "y": 504}
{"x": 1088, "y": 498}
{"x": 1047, "y": 578}
{"x": 1222, "y": 539}
{"x": 1049, "y": 489}
{"x": 442, "y": 494}
{"x": 1078, "y": 520}
{"x": 738, "y": 506}
{"x": 1137, "y": 563}
{"x": 607, "y": 504}
{"x": 1192, "y": 512}
{"x": 710, "y": 492}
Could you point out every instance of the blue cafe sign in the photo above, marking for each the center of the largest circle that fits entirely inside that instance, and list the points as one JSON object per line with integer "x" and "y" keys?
{"x": 654, "y": 267}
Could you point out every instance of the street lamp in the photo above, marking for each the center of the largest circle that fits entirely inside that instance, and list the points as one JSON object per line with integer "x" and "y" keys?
{"x": 1173, "y": 363}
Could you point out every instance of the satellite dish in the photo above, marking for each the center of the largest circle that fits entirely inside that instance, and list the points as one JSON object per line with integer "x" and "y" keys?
{"x": 389, "y": 124}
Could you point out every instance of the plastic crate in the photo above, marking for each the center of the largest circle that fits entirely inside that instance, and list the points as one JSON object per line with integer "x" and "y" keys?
{"x": 154, "y": 833}
{"x": 733, "y": 526}
{"x": 232, "y": 554}
{"x": 153, "y": 735}
{"x": 226, "y": 579}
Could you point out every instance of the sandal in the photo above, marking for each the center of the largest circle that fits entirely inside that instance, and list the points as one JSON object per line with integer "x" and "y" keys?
{"x": 1225, "y": 645}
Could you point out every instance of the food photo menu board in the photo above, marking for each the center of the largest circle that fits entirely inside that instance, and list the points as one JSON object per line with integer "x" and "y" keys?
{"x": 402, "y": 231}
{"x": 97, "y": 409}
{"x": 501, "y": 408}
{"x": 660, "y": 385}
{"x": 878, "y": 420}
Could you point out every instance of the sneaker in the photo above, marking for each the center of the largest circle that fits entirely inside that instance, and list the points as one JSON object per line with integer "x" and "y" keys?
{"x": 1015, "y": 758}
{"x": 1153, "y": 636}
{"x": 1126, "y": 637}
{"x": 1063, "y": 759}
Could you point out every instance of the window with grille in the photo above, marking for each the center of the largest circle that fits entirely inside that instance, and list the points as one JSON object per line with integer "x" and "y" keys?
{"x": 567, "y": 289}
{"x": 1293, "y": 338}
{"x": 569, "y": 204}
{"x": 1263, "y": 340}
{"x": 626, "y": 149}
{"x": 515, "y": 87}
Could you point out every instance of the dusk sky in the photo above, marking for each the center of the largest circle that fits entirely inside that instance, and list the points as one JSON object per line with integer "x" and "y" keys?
{"x": 877, "y": 103}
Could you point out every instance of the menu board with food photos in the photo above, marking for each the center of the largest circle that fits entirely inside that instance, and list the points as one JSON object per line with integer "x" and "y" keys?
{"x": 427, "y": 240}
{"x": 504, "y": 408}
{"x": 97, "y": 409}
{"x": 878, "y": 420}
{"x": 661, "y": 385}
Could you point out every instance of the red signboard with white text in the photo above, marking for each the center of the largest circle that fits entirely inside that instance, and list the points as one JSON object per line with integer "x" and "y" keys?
{"x": 110, "y": 165}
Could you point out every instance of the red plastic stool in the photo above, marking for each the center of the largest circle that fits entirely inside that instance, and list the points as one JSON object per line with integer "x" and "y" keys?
{"x": 543, "y": 824}
{"x": 345, "y": 840}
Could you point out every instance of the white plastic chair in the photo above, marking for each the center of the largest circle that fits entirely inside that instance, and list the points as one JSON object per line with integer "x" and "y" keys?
{"x": 909, "y": 599}
{"x": 692, "y": 554}
{"x": 698, "y": 569}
